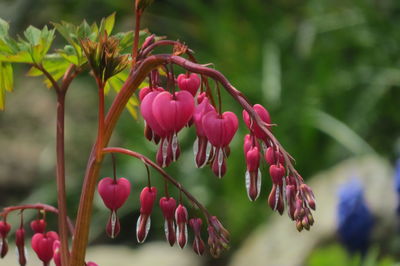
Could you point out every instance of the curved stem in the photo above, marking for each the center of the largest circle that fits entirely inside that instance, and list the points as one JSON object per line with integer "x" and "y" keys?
{"x": 100, "y": 127}
{"x": 164, "y": 174}
{"x": 37, "y": 206}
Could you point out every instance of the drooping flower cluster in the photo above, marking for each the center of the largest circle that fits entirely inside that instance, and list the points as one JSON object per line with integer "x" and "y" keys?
{"x": 166, "y": 113}
{"x": 288, "y": 188}
{"x": 44, "y": 243}
{"x": 354, "y": 218}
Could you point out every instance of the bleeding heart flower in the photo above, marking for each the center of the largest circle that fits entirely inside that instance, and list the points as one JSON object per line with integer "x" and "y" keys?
{"x": 181, "y": 218}
{"x": 264, "y": 115}
{"x": 114, "y": 192}
{"x": 273, "y": 157}
{"x": 38, "y": 226}
{"x": 147, "y": 198}
{"x": 277, "y": 173}
{"x": 198, "y": 243}
{"x": 168, "y": 206}
{"x": 189, "y": 82}
{"x": 173, "y": 111}
{"x": 42, "y": 244}
{"x": 56, "y": 252}
{"x": 275, "y": 199}
{"x": 253, "y": 173}
{"x": 220, "y": 129}
{"x": 146, "y": 90}
{"x": 20, "y": 243}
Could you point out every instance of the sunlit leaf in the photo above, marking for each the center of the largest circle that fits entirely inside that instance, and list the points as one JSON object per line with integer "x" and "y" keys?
{"x": 6, "y": 82}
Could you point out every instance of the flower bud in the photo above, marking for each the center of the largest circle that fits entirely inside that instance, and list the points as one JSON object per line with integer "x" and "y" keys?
{"x": 181, "y": 219}
{"x": 4, "y": 229}
{"x": 168, "y": 206}
{"x": 189, "y": 82}
{"x": 38, "y": 226}
{"x": 198, "y": 243}
{"x": 273, "y": 157}
{"x": 20, "y": 243}
{"x": 277, "y": 173}
{"x": 147, "y": 198}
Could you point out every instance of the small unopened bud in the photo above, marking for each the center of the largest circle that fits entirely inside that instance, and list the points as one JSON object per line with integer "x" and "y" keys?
{"x": 181, "y": 218}
{"x": 198, "y": 243}
{"x": 20, "y": 243}
{"x": 38, "y": 226}
{"x": 309, "y": 195}
{"x": 299, "y": 226}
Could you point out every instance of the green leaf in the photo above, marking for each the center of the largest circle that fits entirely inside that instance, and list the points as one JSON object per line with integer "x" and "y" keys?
{"x": 69, "y": 53}
{"x": 20, "y": 57}
{"x": 55, "y": 64}
{"x": 6, "y": 82}
{"x": 116, "y": 82}
{"x": 32, "y": 35}
{"x": 4, "y": 26}
{"x": 109, "y": 23}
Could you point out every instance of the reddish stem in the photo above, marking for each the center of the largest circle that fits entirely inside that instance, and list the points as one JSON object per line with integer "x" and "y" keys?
{"x": 138, "y": 14}
{"x": 37, "y": 206}
{"x": 164, "y": 174}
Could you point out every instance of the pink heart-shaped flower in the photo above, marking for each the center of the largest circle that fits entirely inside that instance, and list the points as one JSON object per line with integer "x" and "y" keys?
{"x": 220, "y": 129}
{"x": 42, "y": 244}
{"x": 264, "y": 115}
{"x": 146, "y": 90}
{"x": 190, "y": 83}
{"x": 146, "y": 108}
{"x": 114, "y": 193}
{"x": 173, "y": 111}
{"x": 147, "y": 198}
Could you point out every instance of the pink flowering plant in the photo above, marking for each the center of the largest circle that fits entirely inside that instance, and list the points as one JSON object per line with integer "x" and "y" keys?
{"x": 168, "y": 103}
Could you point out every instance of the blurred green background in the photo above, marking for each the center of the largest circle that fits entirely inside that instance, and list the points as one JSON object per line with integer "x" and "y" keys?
{"x": 327, "y": 71}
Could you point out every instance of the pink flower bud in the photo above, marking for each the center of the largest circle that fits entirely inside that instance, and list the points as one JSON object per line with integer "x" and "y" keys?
{"x": 181, "y": 218}
{"x": 114, "y": 192}
{"x": 199, "y": 112}
{"x": 252, "y": 125}
{"x": 4, "y": 229}
{"x": 4, "y": 247}
{"x": 198, "y": 243}
{"x": 38, "y": 226}
{"x": 273, "y": 157}
{"x": 42, "y": 244}
{"x": 147, "y": 198}
{"x": 91, "y": 263}
{"x": 173, "y": 111}
{"x": 253, "y": 159}
{"x": 277, "y": 173}
{"x": 275, "y": 199}
{"x": 309, "y": 195}
{"x": 148, "y": 41}
{"x": 189, "y": 82}
{"x": 20, "y": 243}
{"x": 168, "y": 206}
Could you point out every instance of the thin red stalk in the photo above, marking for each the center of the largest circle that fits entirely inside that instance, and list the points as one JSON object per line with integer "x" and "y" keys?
{"x": 100, "y": 127}
{"x": 61, "y": 193}
{"x": 136, "y": 37}
{"x": 164, "y": 174}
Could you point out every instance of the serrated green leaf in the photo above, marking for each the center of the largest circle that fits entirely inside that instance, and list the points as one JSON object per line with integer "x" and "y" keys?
{"x": 32, "y": 35}
{"x": 109, "y": 23}
{"x": 69, "y": 53}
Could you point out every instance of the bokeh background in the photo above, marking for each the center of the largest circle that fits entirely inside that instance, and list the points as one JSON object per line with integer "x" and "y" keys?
{"x": 327, "y": 71}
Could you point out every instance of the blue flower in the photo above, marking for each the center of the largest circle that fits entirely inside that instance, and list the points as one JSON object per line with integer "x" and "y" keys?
{"x": 355, "y": 220}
